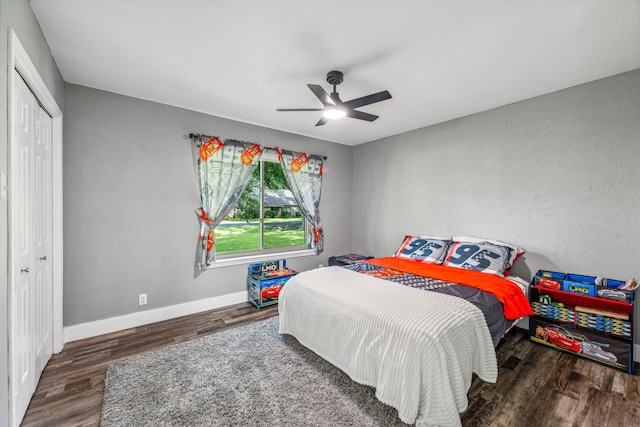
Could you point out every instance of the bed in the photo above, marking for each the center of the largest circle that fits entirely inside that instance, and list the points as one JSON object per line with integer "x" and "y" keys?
{"x": 414, "y": 326}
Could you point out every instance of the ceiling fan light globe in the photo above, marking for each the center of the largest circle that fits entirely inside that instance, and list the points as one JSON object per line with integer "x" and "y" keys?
{"x": 334, "y": 113}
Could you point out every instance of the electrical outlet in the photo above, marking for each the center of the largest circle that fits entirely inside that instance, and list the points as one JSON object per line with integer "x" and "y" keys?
{"x": 320, "y": 265}
{"x": 142, "y": 299}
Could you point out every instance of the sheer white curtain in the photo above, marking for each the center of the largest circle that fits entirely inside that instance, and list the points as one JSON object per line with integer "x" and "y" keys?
{"x": 224, "y": 168}
{"x": 304, "y": 177}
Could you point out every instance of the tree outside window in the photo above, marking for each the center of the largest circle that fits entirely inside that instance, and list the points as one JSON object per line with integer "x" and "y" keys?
{"x": 266, "y": 217}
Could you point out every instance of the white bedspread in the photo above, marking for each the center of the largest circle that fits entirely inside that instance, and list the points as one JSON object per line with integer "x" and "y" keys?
{"x": 417, "y": 348}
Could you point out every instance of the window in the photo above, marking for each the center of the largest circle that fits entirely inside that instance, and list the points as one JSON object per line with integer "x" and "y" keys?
{"x": 266, "y": 219}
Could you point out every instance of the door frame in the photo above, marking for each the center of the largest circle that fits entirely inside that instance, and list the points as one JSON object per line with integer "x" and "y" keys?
{"x": 19, "y": 60}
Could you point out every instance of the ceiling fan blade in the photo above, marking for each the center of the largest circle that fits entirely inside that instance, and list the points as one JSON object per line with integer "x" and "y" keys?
{"x": 298, "y": 109}
{"x": 361, "y": 116}
{"x": 369, "y": 99}
{"x": 321, "y": 94}
{"x": 322, "y": 121}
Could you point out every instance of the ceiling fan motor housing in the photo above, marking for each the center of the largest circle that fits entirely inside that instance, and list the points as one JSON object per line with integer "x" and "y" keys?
{"x": 335, "y": 77}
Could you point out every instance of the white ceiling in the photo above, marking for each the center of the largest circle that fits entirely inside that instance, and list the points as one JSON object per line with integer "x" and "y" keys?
{"x": 243, "y": 59}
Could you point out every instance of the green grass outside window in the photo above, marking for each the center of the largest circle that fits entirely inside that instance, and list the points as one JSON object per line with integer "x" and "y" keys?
{"x": 246, "y": 237}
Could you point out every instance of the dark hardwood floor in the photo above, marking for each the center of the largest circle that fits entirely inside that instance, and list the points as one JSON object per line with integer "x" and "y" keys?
{"x": 71, "y": 386}
{"x": 536, "y": 386}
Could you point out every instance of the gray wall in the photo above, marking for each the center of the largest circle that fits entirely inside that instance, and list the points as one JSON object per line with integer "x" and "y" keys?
{"x": 129, "y": 199}
{"x": 558, "y": 174}
{"x": 17, "y": 14}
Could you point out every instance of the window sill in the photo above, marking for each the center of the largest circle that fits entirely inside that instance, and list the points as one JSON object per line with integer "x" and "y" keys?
{"x": 262, "y": 257}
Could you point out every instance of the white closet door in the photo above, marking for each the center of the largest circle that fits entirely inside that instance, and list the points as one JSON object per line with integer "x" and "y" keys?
{"x": 42, "y": 243}
{"x": 22, "y": 378}
{"x": 30, "y": 234}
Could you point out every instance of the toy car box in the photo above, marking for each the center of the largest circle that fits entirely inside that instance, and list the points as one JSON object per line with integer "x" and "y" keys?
{"x": 265, "y": 280}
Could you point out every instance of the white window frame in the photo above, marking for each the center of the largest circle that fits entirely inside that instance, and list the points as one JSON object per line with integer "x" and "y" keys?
{"x": 225, "y": 259}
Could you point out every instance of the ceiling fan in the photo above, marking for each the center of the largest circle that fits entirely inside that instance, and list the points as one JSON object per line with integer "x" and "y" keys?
{"x": 334, "y": 108}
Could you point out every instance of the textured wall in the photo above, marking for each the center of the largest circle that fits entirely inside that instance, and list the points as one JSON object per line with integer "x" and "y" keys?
{"x": 129, "y": 199}
{"x": 17, "y": 14}
{"x": 558, "y": 174}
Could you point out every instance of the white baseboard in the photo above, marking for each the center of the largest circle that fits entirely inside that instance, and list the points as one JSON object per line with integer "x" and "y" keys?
{"x": 114, "y": 324}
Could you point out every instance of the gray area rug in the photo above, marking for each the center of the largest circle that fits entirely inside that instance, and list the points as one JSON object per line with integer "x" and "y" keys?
{"x": 245, "y": 376}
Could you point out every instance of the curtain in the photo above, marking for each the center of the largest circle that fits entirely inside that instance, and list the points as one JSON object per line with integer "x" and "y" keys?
{"x": 304, "y": 177}
{"x": 224, "y": 169}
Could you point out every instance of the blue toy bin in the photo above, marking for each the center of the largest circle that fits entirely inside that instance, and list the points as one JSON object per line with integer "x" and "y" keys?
{"x": 586, "y": 285}
{"x": 579, "y": 284}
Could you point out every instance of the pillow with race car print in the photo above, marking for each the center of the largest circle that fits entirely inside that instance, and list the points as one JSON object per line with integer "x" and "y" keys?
{"x": 516, "y": 251}
{"x": 423, "y": 248}
{"x": 479, "y": 256}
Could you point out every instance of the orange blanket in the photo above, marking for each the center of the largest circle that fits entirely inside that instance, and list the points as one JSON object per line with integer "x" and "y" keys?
{"x": 515, "y": 303}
